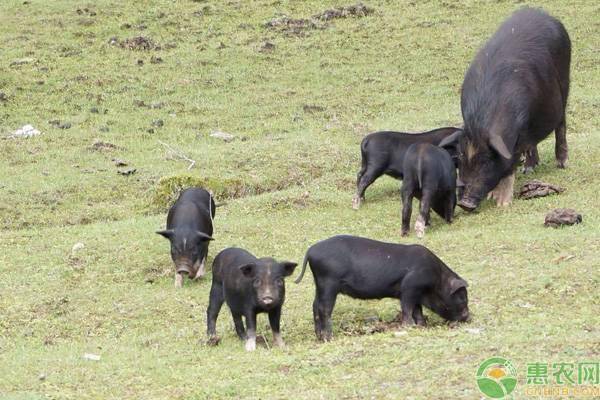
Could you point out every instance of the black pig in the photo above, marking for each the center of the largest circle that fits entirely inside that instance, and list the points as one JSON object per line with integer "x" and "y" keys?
{"x": 513, "y": 95}
{"x": 383, "y": 153}
{"x": 189, "y": 229}
{"x": 430, "y": 176}
{"x": 367, "y": 269}
{"x": 250, "y": 286}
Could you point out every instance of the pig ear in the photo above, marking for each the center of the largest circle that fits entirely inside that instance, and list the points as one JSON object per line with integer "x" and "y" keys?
{"x": 247, "y": 270}
{"x": 203, "y": 236}
{"x": 168, "y": 233}
{"x": 498, "y": 144}
{"x": 451, "y": 140}
{"x": 288, "y": 267}
{"x": 457, "y": 283}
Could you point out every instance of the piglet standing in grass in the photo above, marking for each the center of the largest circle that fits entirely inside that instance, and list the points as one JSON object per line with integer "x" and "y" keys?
{"x": 367, "y": 269}
{"x": 250, "y": 286}
{"x": 429, "y": 175}
{"x": 189, "y": 229}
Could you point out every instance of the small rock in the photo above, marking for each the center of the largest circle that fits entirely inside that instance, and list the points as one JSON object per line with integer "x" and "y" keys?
{"x": 76, "y": 247}
{"x": 473, "y": 331}
{"x": 526, "y": 305}
{"x": 65, "y": 125}
{"x": 3, "y": 97}
{"x": 113, "y": 41}
{"x": 94, "y": 110}
{"x": 400, "y": 333}
{"x": 42, "y": 377}
{"x": 103, "y": 129}
{"x": 562, "y": 216}
{"x": 91, "y": 357}
{"x": 150, "y": 130}
{"x": 25, "y": 132}
{"x": 158, "y": 123}
{"x": 227, "y": 137}
{"x": 119, "y": 163}
{"x": 125, "y": 172}
{"x": 139, "y": 103}
{"x": 155, "y": 60}
{"x": 140, "y": 62}
{"x": 158, "y": 105}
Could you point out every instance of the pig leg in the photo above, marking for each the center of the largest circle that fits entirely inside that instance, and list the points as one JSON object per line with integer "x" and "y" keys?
{"x": 239, "y": 325}
{"x": 503, "y": 193}
{"x": 423, "y": 213}
{"x": 200, "y": 269}
{"x": 561, "y": 149}
{"x": 274, "y": 319}
{"x": 215, "y": 302}
{"x": 326, "y": 302}
{"x": 178, "y": 280}
{"x": 532, "y": 159}
{"x": 407, "y": 199}
{"x": 408, "y": 304}
{"x": 251, "y": 331}
{"x": 418, "y": 315}
{"x": 364, "y": 182}
{"x": 449, "y": 207}
{"x": 317, "y": 320}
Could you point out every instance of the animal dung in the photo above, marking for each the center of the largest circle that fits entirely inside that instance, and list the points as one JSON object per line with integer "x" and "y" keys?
{"x": 562, "y": 216}
{"x": 535, "y": 188}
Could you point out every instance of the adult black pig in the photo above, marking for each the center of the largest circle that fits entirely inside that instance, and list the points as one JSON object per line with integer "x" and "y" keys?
{"x": 513, "y": 95}
{"x": 250, "y": 286}
{"x": 429, "y": 175}
{"x": 383, "y": 153}
{"x": 189, "y": 229}
{"x": 367, "y": 269}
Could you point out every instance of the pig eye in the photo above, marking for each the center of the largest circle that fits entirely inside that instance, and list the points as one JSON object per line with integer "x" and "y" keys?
{"x": 279, "y": 281}
{"x": 256, "y": 282}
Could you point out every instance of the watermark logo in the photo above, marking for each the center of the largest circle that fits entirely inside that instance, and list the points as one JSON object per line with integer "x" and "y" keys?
{"x": 497, "y": 377}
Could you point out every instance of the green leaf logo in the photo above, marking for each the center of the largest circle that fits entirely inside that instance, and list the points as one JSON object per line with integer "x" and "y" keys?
{"x": 496, "y": 377}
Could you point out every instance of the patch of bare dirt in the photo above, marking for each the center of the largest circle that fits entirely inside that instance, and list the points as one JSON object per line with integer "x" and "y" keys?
{"x": 356, "y": 10}
{"x": 137, "y": 43}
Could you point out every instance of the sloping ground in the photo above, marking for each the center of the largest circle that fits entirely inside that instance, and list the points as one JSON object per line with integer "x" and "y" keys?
{"x": 298, "y": 107}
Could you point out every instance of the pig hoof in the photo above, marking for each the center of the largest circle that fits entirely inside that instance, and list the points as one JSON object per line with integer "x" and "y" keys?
{"x": 562, "y": 164}
{"x": 250, "y": 344}
{"x": 420, "y": 227}
{"x": 213, "y": 341}
{"x": 356, "y": 202}
{"x": 404, "y": 233}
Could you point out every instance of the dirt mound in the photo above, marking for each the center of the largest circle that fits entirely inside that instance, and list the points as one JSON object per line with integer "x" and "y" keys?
{"x": 356, "y": 10}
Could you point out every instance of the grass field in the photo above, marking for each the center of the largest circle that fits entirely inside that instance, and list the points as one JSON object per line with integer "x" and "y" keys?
{"x": 298, "y": 101}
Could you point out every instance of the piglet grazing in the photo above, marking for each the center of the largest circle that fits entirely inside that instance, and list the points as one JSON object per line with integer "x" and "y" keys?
{"x": 189, "y": 229}
{"x": 429, "y": 175}
{"x": 250, "y": 286}
{"x": 367, "y": 269}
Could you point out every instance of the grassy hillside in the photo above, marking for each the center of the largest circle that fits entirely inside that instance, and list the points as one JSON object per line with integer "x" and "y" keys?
{"x": 298, "y": 97}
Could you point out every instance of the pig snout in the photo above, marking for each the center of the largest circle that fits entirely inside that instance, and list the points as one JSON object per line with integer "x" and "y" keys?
{"x": 467, "y": 204}
{"x": 465, "y": 316}
{"x": 184, "y": 267}
{"x": 268, "y": 300}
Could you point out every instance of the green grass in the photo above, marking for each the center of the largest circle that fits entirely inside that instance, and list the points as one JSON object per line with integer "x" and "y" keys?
{"x": 533, "y": 290}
